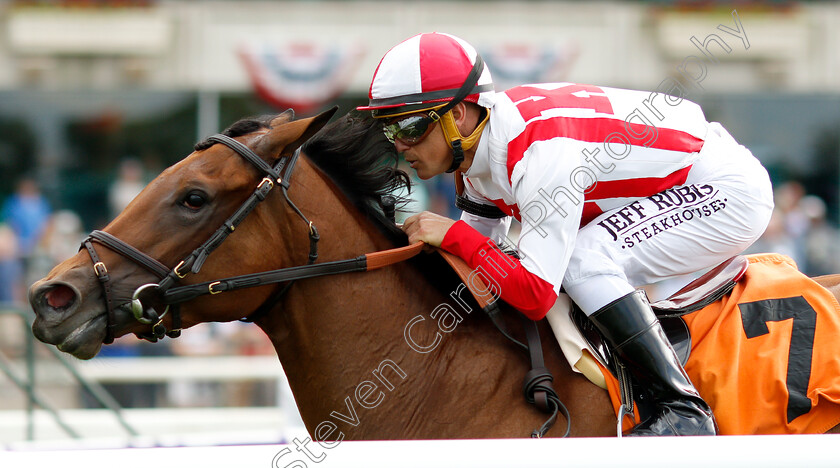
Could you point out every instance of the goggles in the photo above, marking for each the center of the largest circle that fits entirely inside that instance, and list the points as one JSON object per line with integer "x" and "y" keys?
{"x": 410, "y": 130}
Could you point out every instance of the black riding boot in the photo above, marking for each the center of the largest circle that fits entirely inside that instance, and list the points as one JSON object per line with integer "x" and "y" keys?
{"x": 632, "y": 328}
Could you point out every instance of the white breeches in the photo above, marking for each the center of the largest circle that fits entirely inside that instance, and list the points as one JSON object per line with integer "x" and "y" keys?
{"x": 724, "y": 206}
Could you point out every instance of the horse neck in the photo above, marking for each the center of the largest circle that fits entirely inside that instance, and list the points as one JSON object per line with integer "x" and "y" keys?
{"x": 331, "y": 332}
{"x": 336, "y": 336}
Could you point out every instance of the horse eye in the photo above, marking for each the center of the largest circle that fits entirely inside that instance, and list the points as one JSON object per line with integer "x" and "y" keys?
{"x": 194, "y": 200}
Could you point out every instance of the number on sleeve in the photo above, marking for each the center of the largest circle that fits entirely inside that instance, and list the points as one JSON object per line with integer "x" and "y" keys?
{"x": 531, "y": 101}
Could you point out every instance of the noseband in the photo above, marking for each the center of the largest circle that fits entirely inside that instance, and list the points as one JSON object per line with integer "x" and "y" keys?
{"x": 276, "y": 175}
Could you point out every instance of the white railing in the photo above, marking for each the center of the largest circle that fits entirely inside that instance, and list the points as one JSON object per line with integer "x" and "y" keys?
{"x": 155, "y": 426}
{"x": 811, "y": 451}
{"x": 174, "y": 368}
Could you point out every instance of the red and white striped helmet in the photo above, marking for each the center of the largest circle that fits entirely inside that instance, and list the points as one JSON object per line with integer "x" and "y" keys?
{"x": 425, "y": 72}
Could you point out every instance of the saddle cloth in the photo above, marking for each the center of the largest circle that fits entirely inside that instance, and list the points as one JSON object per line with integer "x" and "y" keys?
{"x": 764, "y": 356}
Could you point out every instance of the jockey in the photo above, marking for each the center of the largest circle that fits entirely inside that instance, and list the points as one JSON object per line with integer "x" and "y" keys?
{"x": 614, "y": 189}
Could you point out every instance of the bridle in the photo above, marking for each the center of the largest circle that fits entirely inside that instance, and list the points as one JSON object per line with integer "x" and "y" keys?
{"x": 278, "y": 174}
{"x": 167, "y": 294}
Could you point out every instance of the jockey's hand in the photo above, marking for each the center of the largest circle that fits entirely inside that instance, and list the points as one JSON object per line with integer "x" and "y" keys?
{"x": 427, "y": 227}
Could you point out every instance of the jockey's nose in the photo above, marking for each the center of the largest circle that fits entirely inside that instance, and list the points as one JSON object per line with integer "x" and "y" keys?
{"x": 400, "y": 146}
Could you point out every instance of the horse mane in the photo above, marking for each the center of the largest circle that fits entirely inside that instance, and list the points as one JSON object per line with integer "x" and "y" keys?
{"x": 355, "y": 154}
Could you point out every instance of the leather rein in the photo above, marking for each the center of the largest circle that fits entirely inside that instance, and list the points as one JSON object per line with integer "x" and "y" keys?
{"x": 166, "y": 293}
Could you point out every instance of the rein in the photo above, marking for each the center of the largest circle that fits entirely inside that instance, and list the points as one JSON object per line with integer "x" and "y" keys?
{"x": 366, "y": 262}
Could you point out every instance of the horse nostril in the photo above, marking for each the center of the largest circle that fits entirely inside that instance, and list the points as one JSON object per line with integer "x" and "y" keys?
{"x": 60, "y": 297}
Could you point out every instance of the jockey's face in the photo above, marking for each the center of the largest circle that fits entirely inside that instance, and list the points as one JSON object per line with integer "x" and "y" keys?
{"x": 430, "y": 156}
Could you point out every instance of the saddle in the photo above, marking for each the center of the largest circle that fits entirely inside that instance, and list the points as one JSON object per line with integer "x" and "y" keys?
{"x": 696, "y": 295}
{"x": 699, "y": 293}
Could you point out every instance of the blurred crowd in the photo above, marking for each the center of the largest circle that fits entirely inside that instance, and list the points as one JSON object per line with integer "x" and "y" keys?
{"x": 34, "y": 237}
{"x": 799, "y": 228}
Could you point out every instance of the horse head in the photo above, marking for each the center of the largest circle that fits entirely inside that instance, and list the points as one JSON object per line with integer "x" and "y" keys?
{"x": 87, "y": 299}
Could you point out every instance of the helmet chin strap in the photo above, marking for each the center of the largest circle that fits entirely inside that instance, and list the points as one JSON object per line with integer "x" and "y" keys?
{"x": 457, "y": 156}
{"x": 456, "y": 141}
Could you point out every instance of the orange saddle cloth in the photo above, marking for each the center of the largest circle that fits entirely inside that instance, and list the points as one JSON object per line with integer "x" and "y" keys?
{"x": 765, "y": 357}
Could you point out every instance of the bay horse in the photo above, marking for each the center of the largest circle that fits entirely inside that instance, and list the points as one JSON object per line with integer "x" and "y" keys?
{"x": 368, "y": 355}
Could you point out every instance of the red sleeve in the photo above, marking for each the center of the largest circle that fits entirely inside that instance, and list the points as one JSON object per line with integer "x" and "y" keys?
{"x": 520, "y": 288}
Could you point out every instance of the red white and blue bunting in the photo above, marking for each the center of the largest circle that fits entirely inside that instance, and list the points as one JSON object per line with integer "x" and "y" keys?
{"x": 300, "y": 75}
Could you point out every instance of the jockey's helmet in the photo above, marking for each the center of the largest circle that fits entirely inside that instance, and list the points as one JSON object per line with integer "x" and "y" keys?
{"x": 425, "y": 72}
{"x": 432, "y": 72}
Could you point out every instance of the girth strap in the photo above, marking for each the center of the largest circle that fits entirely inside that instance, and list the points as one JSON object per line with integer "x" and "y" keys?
{"x": 537, "y": 383}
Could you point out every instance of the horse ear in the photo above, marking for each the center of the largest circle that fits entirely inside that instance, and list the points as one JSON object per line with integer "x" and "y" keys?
{"x": 286, "y": 137}
{"x": 284, "y": 117}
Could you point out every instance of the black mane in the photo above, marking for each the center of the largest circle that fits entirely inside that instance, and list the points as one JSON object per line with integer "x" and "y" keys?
{"x": 353, "y": 151}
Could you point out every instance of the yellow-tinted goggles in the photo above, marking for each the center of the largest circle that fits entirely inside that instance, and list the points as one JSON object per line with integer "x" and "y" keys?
{"x": 410, "y": 130}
